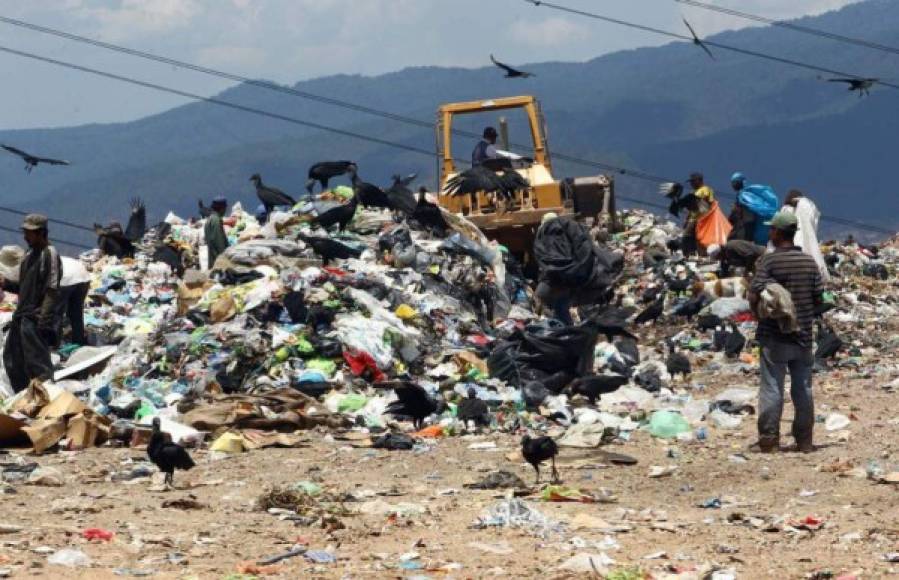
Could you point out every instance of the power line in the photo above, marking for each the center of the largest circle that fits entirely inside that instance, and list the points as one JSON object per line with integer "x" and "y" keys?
{"x": 712, "y": 43}
{"x": 791, "y": 26}
{"x": 54, "y": 239}
{"x": 244, "y": 108}
{"x": 52, "y": 220}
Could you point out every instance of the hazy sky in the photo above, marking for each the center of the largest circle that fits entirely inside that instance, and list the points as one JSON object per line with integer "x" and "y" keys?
{"x": 291, "y": 40}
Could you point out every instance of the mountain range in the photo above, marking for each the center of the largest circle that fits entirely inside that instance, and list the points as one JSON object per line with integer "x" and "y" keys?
{"x": 667, "y": 111}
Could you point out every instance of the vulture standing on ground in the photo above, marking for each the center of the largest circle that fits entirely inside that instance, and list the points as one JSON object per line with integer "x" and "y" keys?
{"x": 270, "y": 196}
{"x": 326, "y": 170}
{"x": 32, "y": 161}
{"x": 472, "y": 409}
{"x": 413, "y": 402}
{"x": 677, "y": 363}
{"x": 734, "y": 342}
{"x": 536, "y": 451}
{"x": 592, "y": 386}
{"x": 652, "y": 312}
{"x": 167, "y": 456}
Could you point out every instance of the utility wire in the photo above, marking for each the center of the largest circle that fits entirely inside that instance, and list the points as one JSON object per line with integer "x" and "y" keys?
{"x": 56, "y": 221}
{"x": 791, "y": 26}
{"x": 53, "y": 239}
{"x": 385, "y": 142}
{"x": 712, "y": 43}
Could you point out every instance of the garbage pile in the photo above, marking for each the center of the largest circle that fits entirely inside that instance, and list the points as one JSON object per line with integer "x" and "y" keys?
{"x": 295, "y": 328}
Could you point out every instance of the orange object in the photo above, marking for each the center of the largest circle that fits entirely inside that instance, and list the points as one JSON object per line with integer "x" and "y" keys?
{"x": 432, "y": 432}
{"x": 747, "y": 358}
{"x": 713, "y": 227}
{"x": 91, "y": 534}
{"x": 257, "y": 569}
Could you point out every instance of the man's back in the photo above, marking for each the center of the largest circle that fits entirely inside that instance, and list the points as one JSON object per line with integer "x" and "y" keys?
{"x": 798, "y": 273}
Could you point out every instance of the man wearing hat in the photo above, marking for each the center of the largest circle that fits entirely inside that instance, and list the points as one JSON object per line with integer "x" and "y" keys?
{"x": 486, "y": 148}
{"x": 783, "y": 351}
{"x": 26, "y": 354}
{"x": 216, "y": 240}
{"x": 703, "y": 196}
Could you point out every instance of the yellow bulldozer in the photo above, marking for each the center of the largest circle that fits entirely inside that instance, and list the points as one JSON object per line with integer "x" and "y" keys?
{"x": 514, "y": 224}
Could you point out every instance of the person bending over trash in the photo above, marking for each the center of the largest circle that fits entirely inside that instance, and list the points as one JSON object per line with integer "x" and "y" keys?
{"x": 214, "y": 231}
{"x": 26, "y": 354}
{"x": 785, "y": 292}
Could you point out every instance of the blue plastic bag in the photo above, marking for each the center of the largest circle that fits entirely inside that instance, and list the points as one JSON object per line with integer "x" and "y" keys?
{"x": 763, "y": 202}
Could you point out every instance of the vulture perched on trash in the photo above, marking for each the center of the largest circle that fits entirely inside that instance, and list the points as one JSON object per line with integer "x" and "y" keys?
{"x": 413, "y": 402}
{"x": 369, "y": 195}
{"x": 328, "y": 249}
{"x": 324, "y": 171}
{"x": 269, "y": 196}
{"x": 341, "y": 215}
{"x": 111, "y": 241}
{"x": 734, "y": 342}
{"x": 137, "y": 221}
{"x": 401, "y": 198}
{"x": 592, "y": 386}
{"x": 536, "y": 451}
{"x": 429, "y": 215}
{"x": 652, "y": 312}
{"x": 481, "y": 179}
{"x": 677, "y": 363}
{"x": 167, "y": 456}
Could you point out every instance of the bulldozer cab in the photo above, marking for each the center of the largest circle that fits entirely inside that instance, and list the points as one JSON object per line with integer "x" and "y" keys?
{"x": 515, "y": 224}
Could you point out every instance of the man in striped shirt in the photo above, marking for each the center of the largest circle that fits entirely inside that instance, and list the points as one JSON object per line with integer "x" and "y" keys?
{"x": 798, "y": 273}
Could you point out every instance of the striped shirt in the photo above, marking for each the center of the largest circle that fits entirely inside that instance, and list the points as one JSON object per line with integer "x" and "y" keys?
{"x": 799, "y": 274}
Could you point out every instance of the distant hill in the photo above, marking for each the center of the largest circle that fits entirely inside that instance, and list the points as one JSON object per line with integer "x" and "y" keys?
{"x": 667, "y": 110}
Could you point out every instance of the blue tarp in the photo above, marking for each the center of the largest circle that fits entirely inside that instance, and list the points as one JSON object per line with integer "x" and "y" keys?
{"x": 763, "y": 202}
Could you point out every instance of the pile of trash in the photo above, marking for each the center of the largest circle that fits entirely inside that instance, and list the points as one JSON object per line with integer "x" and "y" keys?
{"x": 288, "y": 333}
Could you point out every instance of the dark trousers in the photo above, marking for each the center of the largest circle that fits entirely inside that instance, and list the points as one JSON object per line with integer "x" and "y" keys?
{"x": 777, "y": 359}
{"x": 71, "y": 305}
{"x": 26, "y": 354}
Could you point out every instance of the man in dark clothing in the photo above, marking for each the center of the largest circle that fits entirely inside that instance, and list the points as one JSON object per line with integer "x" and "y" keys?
{"x": 73, "y": 291}
{"x": 741, "y": 217}
{"x": 216, "y": 240}
{"x": 486, "y": 148}
{"x": 26, "y": 354}
{"x": 798, "y": 273}
{"x": 738, "y": 254}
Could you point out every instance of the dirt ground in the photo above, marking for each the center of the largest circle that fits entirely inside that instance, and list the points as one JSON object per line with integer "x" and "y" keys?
{"x": 654, "y": 524}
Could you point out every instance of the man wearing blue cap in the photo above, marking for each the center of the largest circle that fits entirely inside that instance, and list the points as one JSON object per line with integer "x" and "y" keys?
{"x": 786, "y": 348}
{"x": 216, "y": 240}
{"x": 755, "y": 205}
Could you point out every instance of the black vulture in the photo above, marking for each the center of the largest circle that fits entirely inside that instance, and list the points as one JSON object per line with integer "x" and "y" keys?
{"x": 863, "y": 86}
{"x": 719, "y": 339}
{"x": 269, "y": 196}
{"x": 401, "y": 197}
{"x": 592, "y": 386}
{"x": 511, "y": 73}
{"x": 652, "y": 312}
{"x": 341, "y": 215}
{"x": 709, "y": 322}
{"x": 32, "y": 161}
{"x": 734, "y": 342}
{"x": 324, "y": 171}
{"x": 699, "y": 42}
{"x": 368, "y": 194}
{"x": 628, "y": 349}
{"x": 474, "y": 410}
{"x": 828, "y": 343}
{"x": 413, "y": 402}
{"x": 481, "y": 179}
{"x": 167, "y": 456}
{"x": 137, "y": 221}
{"x": 611, "y": 322}
{"x": 691, "y": 307}
{"x": 677, "y": 363}
{"x": 429, "y": 215}
{"x": 536, "y": 451}
{"x": 205, "y": 212}
{"x": 111, "y": 241}
{"x": 329, "y": 249}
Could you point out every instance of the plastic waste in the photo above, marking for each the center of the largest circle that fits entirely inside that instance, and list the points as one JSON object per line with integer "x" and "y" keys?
{"x": 724, "y": 420}
{"x": 668, "y": 424}
{"x": 836, "y": 422}
{"x": 69, "y": 557}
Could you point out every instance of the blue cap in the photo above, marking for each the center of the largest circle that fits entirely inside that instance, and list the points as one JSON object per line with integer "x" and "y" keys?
{"x": 737, "y": 177}
{"x": 220, "y": 200}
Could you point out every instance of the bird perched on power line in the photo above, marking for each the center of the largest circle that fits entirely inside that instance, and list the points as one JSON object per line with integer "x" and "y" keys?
{"x": 699, "y": 42}
{"x": 536, "y": 451}
{"x": 481, "y": 179}
{"x": 270, "y": 197}
{"x": 429, "y": 215}
{"x": 32, "y": 161}
{"x": 413, "y": 402}
{"x": 828, "y": 343}
{"x": 341, "y": 215}
{"x": 734, "y": 342}
{"x": 863, "y": 86}
{"x": 511, "y": 73}
{"x": 677, "y": 363}
{"x": 652, "y": 312}
{"x": 324, "y": 171}
{"x": 401, "y": 197}
{"x": 167, "y": 456}
{"x": 328, "y": 249}
{"x": 474, "y": 410}
{"x": 137, "y": 221}
{"x": 592, "y": 386}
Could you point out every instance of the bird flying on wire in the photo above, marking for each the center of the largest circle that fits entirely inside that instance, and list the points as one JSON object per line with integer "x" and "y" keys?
{"x": 698, "y": 42}
{"x": 511, "y": 73}
{"x": 32, "y": 161}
